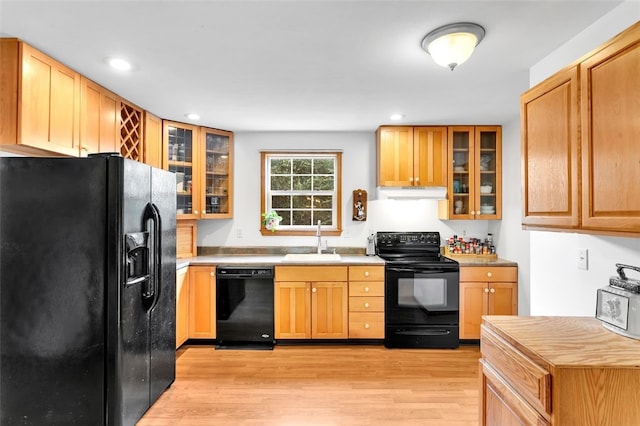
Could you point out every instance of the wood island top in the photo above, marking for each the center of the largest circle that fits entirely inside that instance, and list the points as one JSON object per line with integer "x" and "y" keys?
{"x": 566, "y": 341}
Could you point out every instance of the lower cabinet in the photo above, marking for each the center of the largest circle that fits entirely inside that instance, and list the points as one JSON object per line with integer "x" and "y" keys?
{"x": 182, "y": 306}
{"x": 366, "y": 302}
{"x": 311, "y": 302}
{"x": 202, "y": 302}
{"x": 551, "y": 370}
{"x": 486, "y": 290}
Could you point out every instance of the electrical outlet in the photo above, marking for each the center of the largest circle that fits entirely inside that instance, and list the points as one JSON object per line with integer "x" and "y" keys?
{"x": 239, "y": 233}
{"x": 583, "y": 259}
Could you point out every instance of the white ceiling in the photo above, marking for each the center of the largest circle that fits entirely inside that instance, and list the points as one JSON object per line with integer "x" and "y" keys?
{"x": 302, "y": 65}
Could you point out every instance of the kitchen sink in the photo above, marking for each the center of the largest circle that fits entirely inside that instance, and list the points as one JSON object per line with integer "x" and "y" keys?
{"x": 311, "y": 258}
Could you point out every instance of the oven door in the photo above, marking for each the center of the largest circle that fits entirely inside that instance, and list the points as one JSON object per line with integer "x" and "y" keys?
{"x": 421, "y": 306}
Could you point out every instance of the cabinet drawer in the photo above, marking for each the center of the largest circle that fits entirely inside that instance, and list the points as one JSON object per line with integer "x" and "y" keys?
{"x": 366, "y": 304}
{"x": 366, "y": 273}
{"x": 502, "y": 405}
{"x": 311, "y": 273}
{"x": 366, "y": 325}
{"x": 374, "y": 288}
{"x": 519, "y": 372}
{"x": 489, "y": 273}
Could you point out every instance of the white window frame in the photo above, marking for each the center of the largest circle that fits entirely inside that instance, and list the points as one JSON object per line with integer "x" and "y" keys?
{"x": 335, "y": 228}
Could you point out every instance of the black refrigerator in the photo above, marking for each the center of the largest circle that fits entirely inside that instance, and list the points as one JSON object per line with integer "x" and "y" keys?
{"x": 87, "y": 289}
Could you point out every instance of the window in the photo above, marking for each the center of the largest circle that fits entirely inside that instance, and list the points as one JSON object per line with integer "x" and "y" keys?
{"x": 303, "y": 188}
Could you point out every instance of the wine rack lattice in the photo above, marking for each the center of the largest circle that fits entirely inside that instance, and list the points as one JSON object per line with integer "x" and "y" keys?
{"x": 130, "y": 132}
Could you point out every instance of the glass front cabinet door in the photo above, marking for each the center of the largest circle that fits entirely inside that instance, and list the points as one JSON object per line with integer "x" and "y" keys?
{"x": 475, "y": 178}
{"x": 201, "y": 159}
{"x": 216, "y": 161}
{"x": 180, "y": 144}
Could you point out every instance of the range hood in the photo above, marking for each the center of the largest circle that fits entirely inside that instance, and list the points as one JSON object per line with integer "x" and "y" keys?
{"x": 412, "y": 193}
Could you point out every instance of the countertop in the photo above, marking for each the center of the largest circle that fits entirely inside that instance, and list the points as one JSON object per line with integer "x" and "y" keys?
{"x": 567, "y": 341}
{"x": 481, "y": 261}
{"x": 346, "y": 259}
{"x": 270, "y": 259}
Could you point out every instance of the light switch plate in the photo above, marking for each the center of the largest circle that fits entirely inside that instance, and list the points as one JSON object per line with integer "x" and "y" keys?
{"x": 583, "y": 259}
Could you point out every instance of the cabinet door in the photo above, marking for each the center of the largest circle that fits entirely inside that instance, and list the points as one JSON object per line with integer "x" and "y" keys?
{"x": 430, "y": 156}
{"x": 50, "y": 104}
{"x": 182, "y": 306}
{"x": 609, "y": 92}
{"x": 473, "y": 304}
{"x": 202, "y": 306}
{"x": 216, "y": 180}
{"x": 395, "y": 156}
{"x": 153, "y": 149}
{"x": 99, "y": 119}
{"x": 182, "y": 159}
{"x": 487, "y": 189}
{"x": 329, "y": 310}
{"x": 550, "y": 152}
{"x": 292, "y": 307}
{"x": 502, "y": 299}
{"x": 461, "y": 141}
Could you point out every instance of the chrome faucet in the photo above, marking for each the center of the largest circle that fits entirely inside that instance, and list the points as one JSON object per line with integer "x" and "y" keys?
{"x": 318, "y": 234}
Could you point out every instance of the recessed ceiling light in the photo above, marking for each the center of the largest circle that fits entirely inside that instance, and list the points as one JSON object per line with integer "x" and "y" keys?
{"x": 396, "y": 117}
{"x": 192, "y": 116}
{"x": 120, "y": 64}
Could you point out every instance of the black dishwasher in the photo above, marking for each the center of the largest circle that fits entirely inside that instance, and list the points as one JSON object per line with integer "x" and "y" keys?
{"x": 244, "y": 307}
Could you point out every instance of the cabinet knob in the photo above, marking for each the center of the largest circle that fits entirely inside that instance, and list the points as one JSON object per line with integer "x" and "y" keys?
{"x": 417, "y": 180}
{"x": 195, "y": 212}
{"x": 489, "y": 274}
{"x": 366, "y": 289}
{"x": 366, "y": 304}
{"x": 493, "y": 290}
{"x": 314, "y": 290}
{"x": 213, "y": 274}
{"x": 366, "y": 273}
{"x": 486, "y": 290}
{"x": 367, "y": 326}
{"x": 473, "y": 213}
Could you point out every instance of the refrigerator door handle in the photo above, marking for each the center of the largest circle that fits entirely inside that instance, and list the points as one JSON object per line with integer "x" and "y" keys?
{"x": 153, "y": 214}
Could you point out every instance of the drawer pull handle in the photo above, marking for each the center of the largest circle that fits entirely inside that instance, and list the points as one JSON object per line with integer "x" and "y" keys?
{"x": 489, "y": 274}
{"x": 366, "y": 326}
{"x": 366, "y": 304}
{"x": 366, "y": 273}
{"x": 366, "y": 289}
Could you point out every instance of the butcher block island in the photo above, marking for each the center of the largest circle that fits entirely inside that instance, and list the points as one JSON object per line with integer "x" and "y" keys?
{"x": 557, "y": 371}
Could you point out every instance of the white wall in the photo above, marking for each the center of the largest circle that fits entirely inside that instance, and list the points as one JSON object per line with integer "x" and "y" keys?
{"x": 558, "y": 287}
{"x": 358, "y": 166}
{"x": 512, "y": 241}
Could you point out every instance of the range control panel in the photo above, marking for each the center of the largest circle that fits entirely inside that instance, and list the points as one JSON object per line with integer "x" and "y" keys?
{"x": 400, "y": 239}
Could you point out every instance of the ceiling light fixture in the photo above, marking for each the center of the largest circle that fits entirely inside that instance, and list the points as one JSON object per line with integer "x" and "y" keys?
{"x": 120, "y": 64}
{"x": 192, "y": 116}
{"x": 452, "y": 44}
{"x": 396, "y": 117}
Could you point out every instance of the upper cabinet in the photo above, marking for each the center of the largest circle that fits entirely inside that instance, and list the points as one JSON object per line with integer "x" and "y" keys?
{"x": 201, "y": 158}
{"x": 40, "y": 102}
{"x": 579, "y": 143}
{"x": 99, "y": 119}
{"x": 550, "y": 152}
{"x": 411, "y": 156}
{"x": 475, "y": 174}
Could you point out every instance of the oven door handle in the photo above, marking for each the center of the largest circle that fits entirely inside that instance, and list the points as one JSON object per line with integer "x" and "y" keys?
{"x": 417, "y": 269}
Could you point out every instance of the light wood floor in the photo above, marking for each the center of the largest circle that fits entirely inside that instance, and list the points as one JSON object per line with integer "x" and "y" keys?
{"x": 321, "y": 385}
